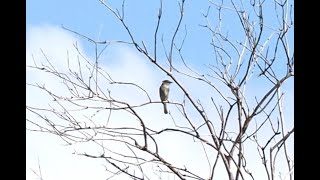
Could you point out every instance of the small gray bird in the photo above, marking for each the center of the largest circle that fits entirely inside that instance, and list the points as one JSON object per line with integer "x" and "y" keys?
{"x": 164, "y": 93}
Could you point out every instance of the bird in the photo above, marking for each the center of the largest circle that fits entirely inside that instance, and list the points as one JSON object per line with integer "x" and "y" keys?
{"x": 164, "y": 94}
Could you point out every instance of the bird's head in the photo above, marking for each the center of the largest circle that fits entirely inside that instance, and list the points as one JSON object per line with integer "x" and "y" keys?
{"x": 166, "y": 81}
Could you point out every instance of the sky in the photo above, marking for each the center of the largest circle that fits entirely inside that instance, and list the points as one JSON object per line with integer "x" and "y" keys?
{"x": 44, "y": 20}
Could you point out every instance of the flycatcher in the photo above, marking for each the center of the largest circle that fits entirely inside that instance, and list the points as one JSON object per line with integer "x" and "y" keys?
{"x": 164, "y": 94}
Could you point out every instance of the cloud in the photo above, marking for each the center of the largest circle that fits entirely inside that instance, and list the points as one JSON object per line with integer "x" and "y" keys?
{"x": 122, "y": 64}
{"x": 56, "y": 161}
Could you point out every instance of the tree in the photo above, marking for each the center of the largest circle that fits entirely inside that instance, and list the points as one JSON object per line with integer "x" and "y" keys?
{"x": 237, "y": 121}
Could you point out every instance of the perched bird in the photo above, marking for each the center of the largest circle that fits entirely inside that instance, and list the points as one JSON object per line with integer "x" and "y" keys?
{"x": 164, "y": 93}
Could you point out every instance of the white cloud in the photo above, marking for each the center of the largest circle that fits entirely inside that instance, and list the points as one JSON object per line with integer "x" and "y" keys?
{"x": 57, "y": 162}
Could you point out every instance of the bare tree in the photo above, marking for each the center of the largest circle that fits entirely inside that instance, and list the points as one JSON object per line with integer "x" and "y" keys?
{"x": 235, "y": 121}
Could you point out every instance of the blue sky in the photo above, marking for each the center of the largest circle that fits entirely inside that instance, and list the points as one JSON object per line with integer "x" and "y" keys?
{"x": 91, "y": 18}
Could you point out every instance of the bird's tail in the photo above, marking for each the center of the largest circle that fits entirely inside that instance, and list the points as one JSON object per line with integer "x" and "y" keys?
{"x": 165, "y": 108}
